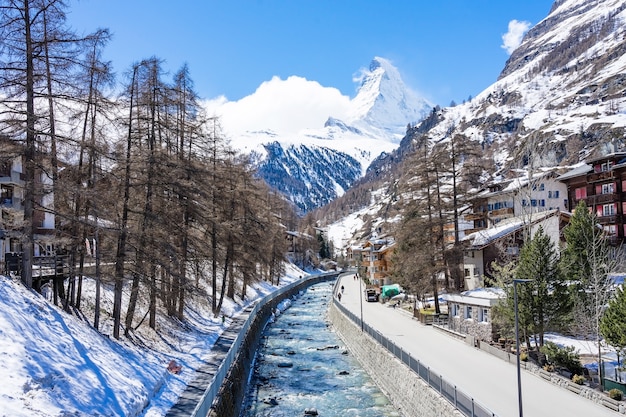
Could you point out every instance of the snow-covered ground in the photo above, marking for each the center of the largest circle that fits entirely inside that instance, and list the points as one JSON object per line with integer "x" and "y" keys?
{"x": 56, "y": 364}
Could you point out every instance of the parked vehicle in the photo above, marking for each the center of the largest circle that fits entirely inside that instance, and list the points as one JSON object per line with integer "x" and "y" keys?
{"x": 371, "y": 295}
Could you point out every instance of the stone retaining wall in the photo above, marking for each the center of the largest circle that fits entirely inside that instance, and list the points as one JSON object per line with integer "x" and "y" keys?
{"x": 403, "y": 387}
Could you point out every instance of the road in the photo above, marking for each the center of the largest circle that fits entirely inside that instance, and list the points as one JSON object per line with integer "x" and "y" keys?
{"x": 489, "y": 380}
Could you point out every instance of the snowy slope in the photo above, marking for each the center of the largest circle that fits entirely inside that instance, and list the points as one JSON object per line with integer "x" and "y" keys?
{"x": 55, "y": 364}
{"x": 564, "y": 88}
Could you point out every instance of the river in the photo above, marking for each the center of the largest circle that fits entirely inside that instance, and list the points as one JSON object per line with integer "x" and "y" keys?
{"x": 301, "y": 366}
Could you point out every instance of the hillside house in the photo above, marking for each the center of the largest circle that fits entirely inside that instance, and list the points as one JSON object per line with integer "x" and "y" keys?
{"x": 516, "y": 197}
{"x": 373, "y": 260}
{"x": 12, "y": 206}
{"x": 470, "y": 312}
{"x": 505, "y": 240}
{"x": 601, "y": 184}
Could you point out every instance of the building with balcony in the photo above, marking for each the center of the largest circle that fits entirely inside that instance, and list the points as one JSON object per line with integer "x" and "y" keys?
{"x": 373, "y": 260}
{"x": 516, "y": 197}
{"x": 503, "y": 241}
{"x": 12, "y": 207}
{"x": 601, "y": 184}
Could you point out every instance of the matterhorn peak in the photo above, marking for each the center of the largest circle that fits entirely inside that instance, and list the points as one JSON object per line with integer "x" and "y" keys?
{"x": 384, "y": 101}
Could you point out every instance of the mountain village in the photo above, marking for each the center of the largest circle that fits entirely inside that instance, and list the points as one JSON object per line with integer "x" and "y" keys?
{"x": 137, "y": 243}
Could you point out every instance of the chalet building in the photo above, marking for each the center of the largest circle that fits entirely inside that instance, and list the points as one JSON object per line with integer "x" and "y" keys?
{"x": 601, "y": 184}
{"x": 12, "y": 206}
{"x": 505, "y": 240}
{"x": 516, "y": 197}
{"x": 373, "y": 260}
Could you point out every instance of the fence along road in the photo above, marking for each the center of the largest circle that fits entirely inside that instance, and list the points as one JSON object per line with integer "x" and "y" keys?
{"x": 489, "y": 380}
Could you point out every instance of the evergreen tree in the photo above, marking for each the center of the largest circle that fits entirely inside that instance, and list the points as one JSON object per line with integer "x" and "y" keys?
{"x": 543, "y": 302}
{"x": 586, "y": 262}
{"x": 613, "y": 323}
{"x": 323, "y": 252}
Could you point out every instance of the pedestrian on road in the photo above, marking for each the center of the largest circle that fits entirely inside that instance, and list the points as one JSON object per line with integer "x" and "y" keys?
{"x": 342, "y": 288}
{"x": 339, "y": 296}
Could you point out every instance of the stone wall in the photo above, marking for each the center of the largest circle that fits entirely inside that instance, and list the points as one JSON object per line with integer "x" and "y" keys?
{"x": 403, "y": 387}
{"x": 480, "y": 330}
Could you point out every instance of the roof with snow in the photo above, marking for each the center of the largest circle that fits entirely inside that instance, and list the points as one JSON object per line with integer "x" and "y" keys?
{"x": 506, "y": 227}
{"x": 512, "y": 184}
{"x": 575, "y": 172}
{"x": 484, "y": 297}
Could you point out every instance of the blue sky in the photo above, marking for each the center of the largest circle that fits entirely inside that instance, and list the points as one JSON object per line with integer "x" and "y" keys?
{"x": 445, "y": 50}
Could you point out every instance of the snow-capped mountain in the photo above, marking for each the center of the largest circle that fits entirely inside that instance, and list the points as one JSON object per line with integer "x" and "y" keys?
{"x": 384, "y": 102}
{"x": 560, "y": 99}
{"x": 314, "y": 164}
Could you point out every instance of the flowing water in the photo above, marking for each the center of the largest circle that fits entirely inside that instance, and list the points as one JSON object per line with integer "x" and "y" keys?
{"x": 301, "y": 365}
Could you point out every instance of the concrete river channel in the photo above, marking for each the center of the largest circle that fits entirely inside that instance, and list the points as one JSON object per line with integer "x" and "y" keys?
{"x": 301, "y": 367}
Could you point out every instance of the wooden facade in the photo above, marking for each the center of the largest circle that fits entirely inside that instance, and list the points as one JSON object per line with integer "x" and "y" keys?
{"x": 601, "y": 184}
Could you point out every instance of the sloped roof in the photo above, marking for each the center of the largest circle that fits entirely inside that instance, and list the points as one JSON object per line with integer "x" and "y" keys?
{"x": 484, "y": 297}
{"x": 485, "y": 237}
{"x": 575, "y": 172}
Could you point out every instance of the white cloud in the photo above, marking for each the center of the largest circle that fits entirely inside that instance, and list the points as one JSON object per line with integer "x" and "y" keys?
{"x": 283, "y": 106}
{"x": 513, "y": 38}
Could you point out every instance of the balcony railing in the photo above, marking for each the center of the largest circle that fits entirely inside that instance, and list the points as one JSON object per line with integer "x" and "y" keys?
{"x": 593, "y": 200}
{"x": 611, "y": 219}
{"x": 601, "y": 176}
{"x": 501, "y": 212}
{"x": 475, "y": 216}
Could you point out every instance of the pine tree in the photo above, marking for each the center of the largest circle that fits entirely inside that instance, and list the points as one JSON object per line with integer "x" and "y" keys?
{"x": 543, "y": 302}
{"x": 586, "y": 263}
{"x": 613, "y": 323}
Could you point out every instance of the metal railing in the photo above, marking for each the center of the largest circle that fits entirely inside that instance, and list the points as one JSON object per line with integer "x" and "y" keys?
{"x": 461, "y": 401}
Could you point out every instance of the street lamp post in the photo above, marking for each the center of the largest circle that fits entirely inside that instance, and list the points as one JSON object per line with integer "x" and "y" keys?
{"x": 361, "y": 300}
{"x": 519, "y": 372}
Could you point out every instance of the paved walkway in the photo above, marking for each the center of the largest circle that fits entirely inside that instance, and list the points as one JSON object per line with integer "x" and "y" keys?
{"x": 192, "y": 395}
{"x": 489, "y": 380}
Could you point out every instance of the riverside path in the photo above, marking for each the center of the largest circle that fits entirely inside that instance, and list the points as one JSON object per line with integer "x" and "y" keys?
{"x": 489, "y": 380}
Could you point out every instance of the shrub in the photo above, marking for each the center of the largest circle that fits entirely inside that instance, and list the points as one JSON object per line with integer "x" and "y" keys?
{"x": 548, "y": 367}
{"x": 616, "y": 394}
{"x": 563, "y": 357}
{"x": 578, "y": 379}
{"x": 523, "y": 357}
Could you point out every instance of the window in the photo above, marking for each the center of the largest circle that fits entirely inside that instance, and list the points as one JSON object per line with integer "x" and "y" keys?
{"x": 533, "y": 202}
{"x": 608, "y": 188}
{"x": 484, "y": 315}
{"x": 467, "y": 272}
{"x": 524, "y": 202}
{"x": 608, "y": 209}
{"x": 555, "y": 194}
{"x": 542, "y": 187}
{"x": 606, "y": 166}
{"x": 610, "y": 229}
{"x": 468, "y": 312}
{"x": 542, "y": 203}
{"x": 455, "y": 309}
{"x": 581, "y": 193}
{"x": 550, "y": 194}
{"x": 6, "y": 195}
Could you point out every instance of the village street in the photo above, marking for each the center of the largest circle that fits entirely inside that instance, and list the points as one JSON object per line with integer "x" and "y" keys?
{"x": 492, "y": 382}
